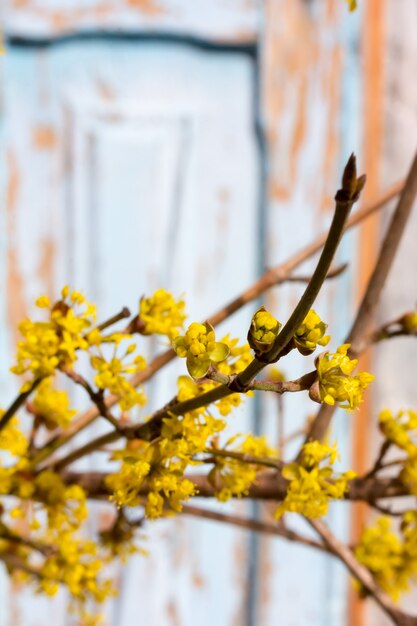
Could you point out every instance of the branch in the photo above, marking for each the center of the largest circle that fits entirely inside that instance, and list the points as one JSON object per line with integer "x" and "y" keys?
{"x": 361, "y": 573}
{"x": 373, "y": 292}
{"x": 252, "y": 524}
{"x": 268, "y": 486}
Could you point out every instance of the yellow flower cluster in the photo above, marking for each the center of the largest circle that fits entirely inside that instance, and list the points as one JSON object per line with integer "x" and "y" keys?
{"x": 311, "y": 333}
{"x": 161, "y": 314}
{"x": 12, "y": 439}
{"x": 401, "y": 430}
{"x": 154, "y": 472}
{"x": 49, "y": 345}
{"x": 165, "y": 483}
{"x": 111, "y": 375}
{"x": 335, "y": 382}
{"x": 391, "y": 559}
{"x": 201, "y": 349}
{"x": 233, "y": 477}
{"x": 312, "y": 482}
{"x": 76, "y": 565}
{"x": 52, "y": 406}
{"x": 263, "y": 331}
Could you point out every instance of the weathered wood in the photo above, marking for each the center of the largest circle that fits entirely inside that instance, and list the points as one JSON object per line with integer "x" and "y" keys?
{"x": 235, "y": 22}
{"x": 139, "y": 169}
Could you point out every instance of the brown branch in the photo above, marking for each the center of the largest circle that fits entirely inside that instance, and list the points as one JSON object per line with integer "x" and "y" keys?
{"x": 252, "y": 524}
{"x": 370, "y": 300}
{"x": 332, "y": 273}
{"x": 269, "y": 485}
{"x": 361, "y": 573}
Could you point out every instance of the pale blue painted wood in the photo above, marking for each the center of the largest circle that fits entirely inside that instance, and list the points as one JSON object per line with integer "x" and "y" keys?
{"x": 116, "y": 171}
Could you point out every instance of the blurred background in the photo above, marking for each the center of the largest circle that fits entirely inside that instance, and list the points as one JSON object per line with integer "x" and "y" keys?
{"x": 190, "y": 144}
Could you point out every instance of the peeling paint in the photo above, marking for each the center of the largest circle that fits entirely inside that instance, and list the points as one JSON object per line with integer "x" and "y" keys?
{"x": 147, "y": 7}
{"x": 44, "y": 137}
{"x": 16, "y": 306}
{"x": 46, "y": 264}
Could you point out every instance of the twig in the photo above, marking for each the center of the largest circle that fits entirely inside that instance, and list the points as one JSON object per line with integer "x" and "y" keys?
{"x": 300, "y": 384}
{"x": 123, "y": 314}
{"x": 95, "y": 396}
{"x": 252, "y": 524}
{"x": 247, "y": 458}
{"x": 373, "y": 292}
{"x": 379, "y": 460}
{"x": 361, "y": 573}
{"x": 345, "y": 198}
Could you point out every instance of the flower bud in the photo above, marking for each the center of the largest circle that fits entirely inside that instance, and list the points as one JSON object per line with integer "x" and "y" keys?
{"x": 263, "y": 331}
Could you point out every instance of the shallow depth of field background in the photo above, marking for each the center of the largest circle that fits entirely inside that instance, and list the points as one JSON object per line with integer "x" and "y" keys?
{"x": 189, "y": 144}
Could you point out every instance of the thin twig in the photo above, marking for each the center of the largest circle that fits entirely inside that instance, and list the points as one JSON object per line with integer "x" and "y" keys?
{"x": 252, "y": 524}
{"x": 371, "y": 298}
{"x": 123, "y": 314}
{"x": 361, "y": 573}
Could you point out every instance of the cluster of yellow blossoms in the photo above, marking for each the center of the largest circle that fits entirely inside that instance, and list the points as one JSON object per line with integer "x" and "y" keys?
{"x": 52, "y": 406}
{"x": 390, "y": 557}
{"x": 161, "y": 314}
{"x": 52, "y": 344}
{"x": 152, "y": 471}
{"x": 313, "y": 482}
{"x": 232, "y": 476}
{"x": 335, "y": 380}
{"x": 401, "y": 431}
{"x": 198, "y": 345}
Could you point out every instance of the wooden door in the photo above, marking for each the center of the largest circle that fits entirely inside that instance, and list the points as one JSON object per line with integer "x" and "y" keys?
{"x": 186, "y": 145}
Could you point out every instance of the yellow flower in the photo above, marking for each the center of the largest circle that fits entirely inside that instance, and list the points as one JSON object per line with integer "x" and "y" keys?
{"x": 49, "y": 345}
{"x": 52, "y": 405}
{"x": 263, "y": 331}
{"x": 391, "y": 558}
{"x": 111, "y": 375}
{"x": 12, "y": 439}
{"x": 200, "y": 348}
{"x": 401, "y": 429}
{"x": 161, "y": 314}
{"x": 312, "y": 482}
{"x": 335, "y": 381}
{"x": 233, "y": 477}
{"x": 310, "y": 334}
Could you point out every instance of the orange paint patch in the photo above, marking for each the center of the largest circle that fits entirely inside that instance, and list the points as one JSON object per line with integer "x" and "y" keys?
{"x": 16, "y": 307}
{"x": 147, "y": 7}
{"x": 44, "y": 137}
{"x": 105, "y": 91}
{"x": 277, "y": 191}
{"x": 46, "y": 266}
{"x": 332, "y": 91}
